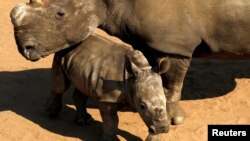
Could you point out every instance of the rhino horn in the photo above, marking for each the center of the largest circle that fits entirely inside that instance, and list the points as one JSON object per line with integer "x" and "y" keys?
{"x": 18, "y": 13}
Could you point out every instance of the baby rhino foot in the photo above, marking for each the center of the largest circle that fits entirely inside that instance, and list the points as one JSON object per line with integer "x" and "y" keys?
{"x": 176, "y": 113}
{"x": 84, "y": 120}
{"x": 109, "y": 138}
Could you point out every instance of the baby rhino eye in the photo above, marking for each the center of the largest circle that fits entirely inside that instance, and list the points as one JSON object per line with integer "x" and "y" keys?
{"x": 143, "y": 106}
{"x": 60, "y": 14}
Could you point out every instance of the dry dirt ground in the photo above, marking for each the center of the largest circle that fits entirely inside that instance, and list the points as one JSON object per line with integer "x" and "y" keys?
{"x": 215, "y": 92}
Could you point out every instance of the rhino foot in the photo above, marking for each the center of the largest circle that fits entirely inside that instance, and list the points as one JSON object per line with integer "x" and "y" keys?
{"x": 177, "y": 120}
{"x": 175, "y": 112}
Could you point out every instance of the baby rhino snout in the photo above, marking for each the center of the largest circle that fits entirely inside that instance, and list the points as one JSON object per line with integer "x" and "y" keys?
{"x": 160, "y": 114}
{"x": 160, "y": 123}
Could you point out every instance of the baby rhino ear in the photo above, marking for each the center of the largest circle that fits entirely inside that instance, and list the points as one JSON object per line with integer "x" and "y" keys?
{"x": 163, "y": 65}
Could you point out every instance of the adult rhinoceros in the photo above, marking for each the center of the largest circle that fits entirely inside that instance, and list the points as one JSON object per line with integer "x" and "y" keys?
{"x": 159, "y": 28}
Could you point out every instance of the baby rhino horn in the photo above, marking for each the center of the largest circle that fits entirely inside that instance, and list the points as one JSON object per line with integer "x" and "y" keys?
{"x": 37, "y": 1}
{"x": 140, "y": 60}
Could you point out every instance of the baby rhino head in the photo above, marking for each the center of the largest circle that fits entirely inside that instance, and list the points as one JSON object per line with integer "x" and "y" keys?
{"x": 147, "y": 92}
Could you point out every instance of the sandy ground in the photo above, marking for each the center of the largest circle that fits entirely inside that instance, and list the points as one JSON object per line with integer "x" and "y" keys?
{"x": 215, "y": 92}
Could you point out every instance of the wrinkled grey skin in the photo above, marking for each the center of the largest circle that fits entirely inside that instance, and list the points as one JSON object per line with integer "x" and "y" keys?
{"x": 172, "y": 27}
{"x": 117, "y": 76}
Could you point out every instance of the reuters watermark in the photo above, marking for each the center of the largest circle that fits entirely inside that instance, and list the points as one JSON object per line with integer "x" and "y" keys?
{"x": 235, "y": 132}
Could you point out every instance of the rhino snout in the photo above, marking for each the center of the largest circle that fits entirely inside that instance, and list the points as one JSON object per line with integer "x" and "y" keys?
{"x": 30, "y": 52}
{"x": 18, "y": 13}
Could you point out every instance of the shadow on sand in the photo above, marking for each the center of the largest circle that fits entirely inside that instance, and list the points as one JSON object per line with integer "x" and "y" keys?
{"x": 213, "y": 78}
{"x": 25, "y": 93}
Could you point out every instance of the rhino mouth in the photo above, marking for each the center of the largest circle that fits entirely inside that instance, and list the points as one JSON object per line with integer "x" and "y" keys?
{"x": 34, "y": 55}
{"x": 30, "y": 52}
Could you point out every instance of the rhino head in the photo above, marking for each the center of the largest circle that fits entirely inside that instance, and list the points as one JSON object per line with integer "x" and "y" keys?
{"x": 147, "y": 92}
{"x": 43, "y": 27}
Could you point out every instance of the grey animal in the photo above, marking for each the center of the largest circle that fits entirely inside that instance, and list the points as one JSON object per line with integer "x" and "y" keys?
{"x": 170, "y": 29}
{"x": 116, "y": 76}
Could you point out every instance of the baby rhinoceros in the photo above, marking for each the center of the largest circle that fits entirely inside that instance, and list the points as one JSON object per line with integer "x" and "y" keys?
{"x": 115, "y": 75}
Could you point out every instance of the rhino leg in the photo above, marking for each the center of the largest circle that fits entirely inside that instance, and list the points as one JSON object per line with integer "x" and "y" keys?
{"x": 173, "y": 82}
{"x": 82, "y": 116}
{"x": 110, "y": 121}
{"x": 60, "y": 84}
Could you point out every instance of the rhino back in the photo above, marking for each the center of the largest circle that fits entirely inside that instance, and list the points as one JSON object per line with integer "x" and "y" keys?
{"x": 179, "y": 26}
{"x": 96, "y": 68}
{"x": 224, "y": 25}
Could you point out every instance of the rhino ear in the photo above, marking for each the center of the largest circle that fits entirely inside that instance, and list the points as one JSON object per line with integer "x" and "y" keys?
{"x": 163, "y": 65}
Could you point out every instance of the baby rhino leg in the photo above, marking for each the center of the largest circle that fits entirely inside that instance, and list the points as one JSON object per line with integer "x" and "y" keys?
{"x": 110, "y": 121}
{"x": 82, "y": 116}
